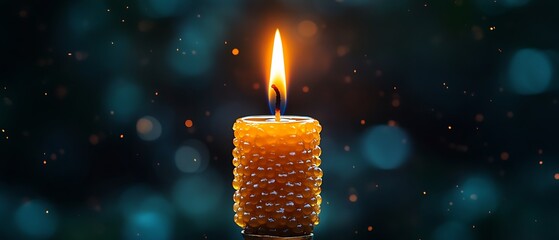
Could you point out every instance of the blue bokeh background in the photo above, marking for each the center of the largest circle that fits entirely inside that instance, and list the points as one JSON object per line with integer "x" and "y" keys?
{"x": 439, "y": 117}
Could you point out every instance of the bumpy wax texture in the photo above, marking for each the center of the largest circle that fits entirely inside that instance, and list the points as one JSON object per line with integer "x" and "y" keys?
{"x": 277, "y": 177}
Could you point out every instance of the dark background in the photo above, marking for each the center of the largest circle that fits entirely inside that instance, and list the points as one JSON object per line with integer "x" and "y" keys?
{"x": 439, "y": 117}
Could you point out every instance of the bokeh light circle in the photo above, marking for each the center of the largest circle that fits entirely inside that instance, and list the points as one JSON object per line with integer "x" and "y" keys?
{"x": 199, "y": 195}
{"x": 452, "y": 230}
{"x": 36, "y": 219}
{"x": 474, "y": 199}
{"x": 307, "y": 28}
{"x": 123, "y": 99}
{"x": 529, "y": 72}
{"x": 147, "y": 225}
{"x": 148, "y": 128}
{"x": 132, "y": 198}
{"x": 193, "y": 54}
{"x": 193, "y": 156}
{"x": 385, "y": 147}
{"x": 82, "y": 18}
{"x": 147, "y": 214}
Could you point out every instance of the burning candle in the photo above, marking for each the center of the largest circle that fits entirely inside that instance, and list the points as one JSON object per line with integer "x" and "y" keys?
{"x": 277, "y": 176}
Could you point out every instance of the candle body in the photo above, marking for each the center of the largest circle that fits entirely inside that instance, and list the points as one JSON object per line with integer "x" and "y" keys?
{"x": 277, "y": 176}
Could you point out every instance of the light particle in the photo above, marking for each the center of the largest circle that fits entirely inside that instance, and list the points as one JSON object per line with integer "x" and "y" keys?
{"x": 370, "y": 228}
{"x": 395, "y": 102}
{"x": 353, "y": 198}
{"x": 479, "y": 117}
{"x": 235, "y": 51}
{"x": 305, "y": 89}
{"x": 362, "y": 122}
{"x": 556, "y": 176}
{"x": 342, "y": 50}
{"x": 505, "y": 156}
{"x": 93, "y": 139}
{"x": 188, "y": 123}
{"x": 121, "y": 136}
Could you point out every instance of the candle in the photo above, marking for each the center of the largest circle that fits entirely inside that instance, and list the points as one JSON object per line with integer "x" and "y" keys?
{"x": 276, "y": 157}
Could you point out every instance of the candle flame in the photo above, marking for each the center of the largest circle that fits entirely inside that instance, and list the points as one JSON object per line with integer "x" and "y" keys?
{"x": 277, "y": 81}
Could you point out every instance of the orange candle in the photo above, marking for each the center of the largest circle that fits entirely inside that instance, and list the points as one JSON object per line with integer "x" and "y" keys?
{"x": 277, "y": 176}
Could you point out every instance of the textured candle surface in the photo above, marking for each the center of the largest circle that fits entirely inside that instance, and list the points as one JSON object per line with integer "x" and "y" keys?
{"x": 277, "y": 175}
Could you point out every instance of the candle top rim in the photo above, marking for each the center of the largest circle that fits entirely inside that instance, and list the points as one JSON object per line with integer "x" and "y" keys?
{"x": 270, "y": 119}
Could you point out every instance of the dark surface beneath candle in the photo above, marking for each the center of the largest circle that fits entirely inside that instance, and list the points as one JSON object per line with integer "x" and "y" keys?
{"x": 439, "y": 117}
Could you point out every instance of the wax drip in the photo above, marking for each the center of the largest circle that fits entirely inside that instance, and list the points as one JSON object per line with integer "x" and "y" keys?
{"x": 278, "y": 102}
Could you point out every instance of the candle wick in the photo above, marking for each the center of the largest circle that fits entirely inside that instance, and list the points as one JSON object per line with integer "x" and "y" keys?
{"x": 278, "y": 102}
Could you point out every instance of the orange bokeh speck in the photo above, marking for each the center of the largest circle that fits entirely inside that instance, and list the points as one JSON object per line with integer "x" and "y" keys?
{"x": 353, "y": 198}
{"x": 188, "y": 123}
{"x": 505, "y": 156}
